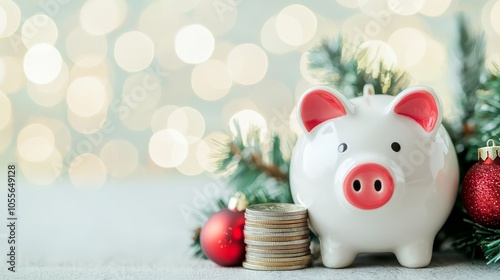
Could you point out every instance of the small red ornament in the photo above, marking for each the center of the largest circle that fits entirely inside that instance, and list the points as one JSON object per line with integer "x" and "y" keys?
{"x": 222, "y": 238}
{"x": 481, "y": 187}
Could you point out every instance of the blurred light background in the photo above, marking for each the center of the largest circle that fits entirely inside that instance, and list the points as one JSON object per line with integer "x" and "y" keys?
{"x": 111, "y": 108}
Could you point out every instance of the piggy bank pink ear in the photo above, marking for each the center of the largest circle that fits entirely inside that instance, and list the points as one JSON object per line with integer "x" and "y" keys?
{"x": 320, "y": 104}
{"x": 420, "y": 104}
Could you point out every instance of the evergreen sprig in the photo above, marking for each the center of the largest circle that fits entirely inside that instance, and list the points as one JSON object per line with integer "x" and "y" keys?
{"x": 486, "y": 116}
{"x": 261, "y": 174}
{"x": 339, "y": 66}
{"x": 481, "y": 237}
{"x": 253, "y": 165}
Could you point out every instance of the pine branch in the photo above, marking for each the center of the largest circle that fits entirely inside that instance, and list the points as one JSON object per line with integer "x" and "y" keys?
{"x": 486, "y": 116}
{"x": 331, "y": 64}
{"x": 248, "y": 167}
{"x": 472, "y": 70}
{"x": 481, "y": 237}
{"x": 255, "y": 160}
{"x": 472, "y": 73}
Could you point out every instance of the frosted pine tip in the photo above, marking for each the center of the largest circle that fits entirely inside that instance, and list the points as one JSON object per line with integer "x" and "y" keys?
{"x": 238, "y": 202}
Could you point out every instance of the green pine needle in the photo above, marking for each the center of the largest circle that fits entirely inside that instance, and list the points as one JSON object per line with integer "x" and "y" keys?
{"x": 251, "y": 166}
{"x": 331, "y": 64}
{"x": 485, "y": 238}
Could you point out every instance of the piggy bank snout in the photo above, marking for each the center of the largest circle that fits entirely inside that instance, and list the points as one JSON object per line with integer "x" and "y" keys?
{"x": 368, "y": 186}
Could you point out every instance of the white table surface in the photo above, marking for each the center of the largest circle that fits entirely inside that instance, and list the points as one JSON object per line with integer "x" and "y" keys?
{"x": 448, "y": 265}
{"x": 138, "y": 231}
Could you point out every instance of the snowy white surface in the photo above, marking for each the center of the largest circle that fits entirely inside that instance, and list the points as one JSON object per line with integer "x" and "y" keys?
{"x": 444, "y": 266}
{"x": 136, "y": 230}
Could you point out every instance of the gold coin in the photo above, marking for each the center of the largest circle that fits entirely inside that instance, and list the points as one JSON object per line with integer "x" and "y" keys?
{"x": 264, "y": 250}
{"x": 276, "y": 230}
{"x": 276, "y": 238}
{"x": 253, "y": 255}
{"x": 276, "y": 209}
{"x": 276, "y": 243}
{"x": 249, "y": 224}
{"x": 251, "y": 258}
{"x": 259, "y": 267}
{"x": 255, "y": 233}
{"x": 276, "y": 222}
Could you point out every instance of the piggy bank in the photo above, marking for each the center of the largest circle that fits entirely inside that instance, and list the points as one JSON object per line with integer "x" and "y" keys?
{"x": 377, "y": 173}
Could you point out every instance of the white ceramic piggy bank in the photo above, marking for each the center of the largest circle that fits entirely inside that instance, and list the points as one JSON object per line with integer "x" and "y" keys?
{"x": 377, "y": 173}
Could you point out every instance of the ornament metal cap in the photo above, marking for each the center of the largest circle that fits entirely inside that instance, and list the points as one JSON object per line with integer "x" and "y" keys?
{"x": 491, "y": 151}
{"x": 238, "y": 202}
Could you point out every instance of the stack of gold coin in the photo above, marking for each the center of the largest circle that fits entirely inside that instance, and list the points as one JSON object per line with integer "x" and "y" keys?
{"x": 276, "y": 237}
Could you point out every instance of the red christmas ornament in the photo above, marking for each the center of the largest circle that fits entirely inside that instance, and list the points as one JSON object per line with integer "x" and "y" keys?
{"x": 222, "y": 238}
{"x": 481, "y": 187}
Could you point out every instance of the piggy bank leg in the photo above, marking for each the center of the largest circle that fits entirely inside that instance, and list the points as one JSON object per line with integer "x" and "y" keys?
{"x": 335, "y": 255}
{"x": 415, "y": 254}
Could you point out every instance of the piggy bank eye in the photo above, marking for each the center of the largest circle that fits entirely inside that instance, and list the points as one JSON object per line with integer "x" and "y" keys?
{"x": 342, "y": 147}
{"x": 395, "y": 146}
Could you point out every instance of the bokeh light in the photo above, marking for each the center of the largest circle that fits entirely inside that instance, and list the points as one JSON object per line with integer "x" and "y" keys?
{"x": 194, "y": 44}
{"x": 104, "y": 71}
{"x": 134, "y": 51}
{"x": 50, "y": 94}
{"x": 210, "y": 80}
{"x": 87, "y": 125}
{"x": 182, "y": 6}
{"x": 187, "y": 121}
{"x": 405, "y": 7}
{"x": 3, "y": 20}
{"x": 141, "y": 94}
{"x": 247, "y": 64}
{"x": 274, "y": 100}
{"x": 45, "y": 172}
{"x": 270, "y": 40}
{"x": 39, "y": 29}
{"x": 495, "y": 16}
{"x": 435, "y": 8}
{"x": 86, "y": 96}
{"x": 35, "y": 142}
{"x": 60, "y": 130}
{"x": 159, "y": 121}
{"x": 5, "y": 111}
{"x": 168, "y": 148}
{"x": 218, "y": 16}
{"x": 99, "y": 17}
{"x": 11, "y": 77}
{"x": 296, "y": 24}
{"x": 431, "y": 67}
{"x": 235, "y": 105}
{"x": 248, "y": 120}
{"x": 160, "y": 22}
{"x": 348, "y": 3}
{"x": 192, "y": 166}
{"x": 376, "y": 52}
{"x": 6, "y": 136}
{"x": 87, "y": 171}
{"x": 84, "y": 49}
{"x": 409, "y": 45}
{"x": 10, "y": 18}
{"x": 42, "y": 63}
{"x": 120, "y": 158}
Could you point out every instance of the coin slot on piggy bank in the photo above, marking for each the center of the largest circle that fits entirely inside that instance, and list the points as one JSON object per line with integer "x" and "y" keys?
{"x": 377, "y": 173}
